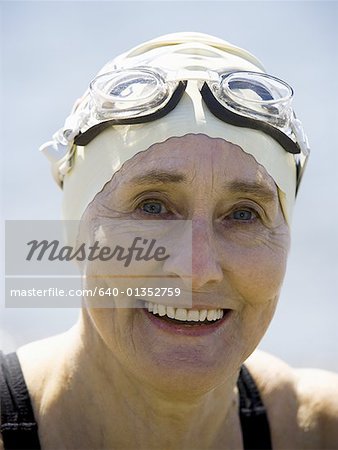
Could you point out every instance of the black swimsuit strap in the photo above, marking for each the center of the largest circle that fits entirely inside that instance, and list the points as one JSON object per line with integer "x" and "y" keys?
{"x": 18, "y": 426}
{"x": 254, "y": 420}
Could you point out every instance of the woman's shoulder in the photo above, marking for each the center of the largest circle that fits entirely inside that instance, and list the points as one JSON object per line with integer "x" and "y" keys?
{"x": 40, "y": 358}
{"x": 303, "y": 402}
{"x": 42, "y": 363}
{"x": 318, "y": 394}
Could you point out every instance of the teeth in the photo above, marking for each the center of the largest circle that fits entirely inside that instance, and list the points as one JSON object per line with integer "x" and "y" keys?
{"x": 170, "y": 312}
{"x": 203, "y": 314}
{"x": 162, "y": 310}
{"x": 183, "y": 314}
{"x": 194, "y": 315}
{"x": 211, "y": 314}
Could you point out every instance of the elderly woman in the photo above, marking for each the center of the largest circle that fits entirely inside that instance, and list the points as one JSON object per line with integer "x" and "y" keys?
{"x": 184, "y": 129}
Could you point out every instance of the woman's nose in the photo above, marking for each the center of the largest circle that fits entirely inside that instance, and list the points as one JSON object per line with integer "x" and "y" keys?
{"x": 195, "y": 258}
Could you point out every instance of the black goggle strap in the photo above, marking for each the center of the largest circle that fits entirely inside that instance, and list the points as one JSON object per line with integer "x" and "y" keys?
{"x": 224, "y": 114}
{"x": 86, "y": 137}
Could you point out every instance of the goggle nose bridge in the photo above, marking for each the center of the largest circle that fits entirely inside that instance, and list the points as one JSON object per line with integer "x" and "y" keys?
{"x": 192, "y": 74}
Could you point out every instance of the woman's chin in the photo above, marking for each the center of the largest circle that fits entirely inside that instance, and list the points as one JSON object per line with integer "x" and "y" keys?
{"x": 181, "y": 364}
{"x": 180, "y": 378}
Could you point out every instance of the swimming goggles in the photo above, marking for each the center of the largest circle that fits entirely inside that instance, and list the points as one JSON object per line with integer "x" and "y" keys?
{"x": 142, "y": 94}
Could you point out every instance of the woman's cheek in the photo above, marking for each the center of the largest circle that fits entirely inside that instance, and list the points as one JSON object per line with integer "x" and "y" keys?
{"x": 256, "y": 264}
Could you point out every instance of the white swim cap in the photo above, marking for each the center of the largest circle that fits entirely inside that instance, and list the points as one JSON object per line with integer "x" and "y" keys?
{"x": 94, "y": 164}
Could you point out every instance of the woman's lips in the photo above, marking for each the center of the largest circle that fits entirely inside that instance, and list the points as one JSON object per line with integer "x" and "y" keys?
{"x": 188, "y": 328}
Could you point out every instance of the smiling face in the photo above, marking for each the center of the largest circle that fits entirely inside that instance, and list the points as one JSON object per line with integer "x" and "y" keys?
{"x": 240, "y": 243}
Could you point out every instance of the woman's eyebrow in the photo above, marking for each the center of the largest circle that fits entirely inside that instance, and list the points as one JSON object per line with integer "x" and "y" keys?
{"x": 234, "y": 187}
{"x": 255, "y": 189}
{"x": 158, "y": 177}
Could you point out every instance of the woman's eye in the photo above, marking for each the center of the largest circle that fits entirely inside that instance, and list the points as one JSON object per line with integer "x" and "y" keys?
{"x": 153, "y": 207}
{"x": 243, "y": 215}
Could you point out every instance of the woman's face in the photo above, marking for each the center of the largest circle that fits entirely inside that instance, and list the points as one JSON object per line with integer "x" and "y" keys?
{"x": 240, "y": 243}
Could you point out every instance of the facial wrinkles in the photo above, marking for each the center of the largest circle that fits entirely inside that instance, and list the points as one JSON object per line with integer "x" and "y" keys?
{"x": 251, "y": 262}
{"x": 213, "y": 196}
{"x": 201, "y": 177}
{"x": 274, "y": 237}
{"x": 203, "y": 183}
{"x": 206, "y": 175}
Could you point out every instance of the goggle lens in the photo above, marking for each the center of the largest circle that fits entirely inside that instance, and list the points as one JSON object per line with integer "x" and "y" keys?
{"x": 117, "y": 94}
{"x": 260, "y": 96}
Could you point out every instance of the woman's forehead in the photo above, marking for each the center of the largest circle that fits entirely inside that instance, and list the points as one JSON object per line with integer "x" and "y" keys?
{"x": 193, "y": 158}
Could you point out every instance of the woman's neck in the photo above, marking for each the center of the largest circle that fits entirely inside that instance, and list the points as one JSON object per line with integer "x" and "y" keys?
{"x": 98, "y": 404}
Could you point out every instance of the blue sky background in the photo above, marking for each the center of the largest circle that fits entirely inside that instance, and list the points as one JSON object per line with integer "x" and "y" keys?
{"x": 51, "y": 50}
